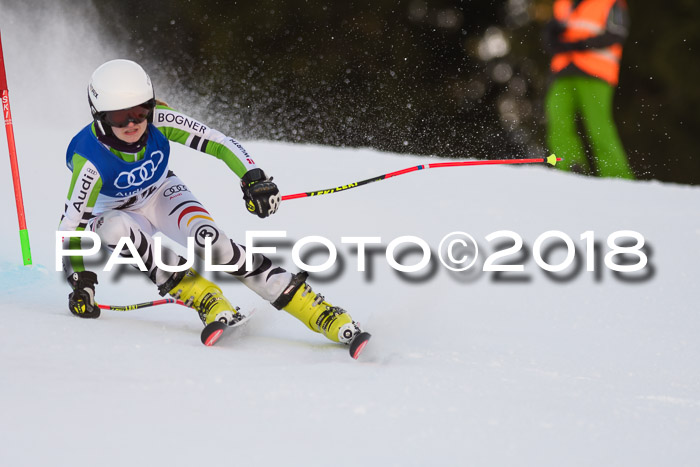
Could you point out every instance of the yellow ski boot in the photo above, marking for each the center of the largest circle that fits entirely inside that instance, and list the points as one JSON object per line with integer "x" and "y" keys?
{"x": 318, "y": 315}
{"x": 203, "y": 295}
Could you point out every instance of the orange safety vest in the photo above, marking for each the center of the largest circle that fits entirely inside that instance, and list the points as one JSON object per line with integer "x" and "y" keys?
{"x": 586, "y": 21}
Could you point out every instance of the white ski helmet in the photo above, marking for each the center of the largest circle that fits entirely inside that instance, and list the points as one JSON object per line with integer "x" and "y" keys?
{"x": 119, "y": 84}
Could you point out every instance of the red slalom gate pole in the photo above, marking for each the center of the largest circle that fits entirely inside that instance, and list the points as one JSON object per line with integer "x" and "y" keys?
{"x": 23, "y": 234}
{"x": 551, "y": 160}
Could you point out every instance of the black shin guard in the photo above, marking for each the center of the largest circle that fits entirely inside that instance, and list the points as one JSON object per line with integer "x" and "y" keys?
{"x": 286, "y": 296}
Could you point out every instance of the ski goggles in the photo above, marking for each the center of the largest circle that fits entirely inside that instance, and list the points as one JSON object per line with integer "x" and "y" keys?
{"x": 122, "y": 118}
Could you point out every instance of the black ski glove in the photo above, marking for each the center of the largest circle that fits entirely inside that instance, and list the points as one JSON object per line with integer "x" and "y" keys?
{"x": 81, "y": 301}
{"x": 261, "y": 195}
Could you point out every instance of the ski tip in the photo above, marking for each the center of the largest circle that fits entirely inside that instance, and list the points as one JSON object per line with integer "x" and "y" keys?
{"x": 212, "y": 332}
{"x": 358, "y": 344}
{"x": 213, "y": 337}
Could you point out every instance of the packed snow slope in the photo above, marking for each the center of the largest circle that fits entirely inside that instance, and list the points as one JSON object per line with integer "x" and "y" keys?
{"x": 475, "y": 368}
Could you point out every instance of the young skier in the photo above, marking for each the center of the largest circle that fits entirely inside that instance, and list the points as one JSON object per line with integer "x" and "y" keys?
{"x": 121, "y": 187}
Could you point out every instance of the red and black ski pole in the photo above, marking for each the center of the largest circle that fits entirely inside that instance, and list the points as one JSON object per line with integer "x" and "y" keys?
{"x": 138, "y": 306}
{"x": 551, "y": 160}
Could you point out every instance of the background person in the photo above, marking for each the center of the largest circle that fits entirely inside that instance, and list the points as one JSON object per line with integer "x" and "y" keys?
{"x": 585, "y": 38}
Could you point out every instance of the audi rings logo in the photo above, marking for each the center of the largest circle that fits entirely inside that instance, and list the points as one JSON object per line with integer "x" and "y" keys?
{"x": 141, "y": 174}
{"x": 174, "y": 189}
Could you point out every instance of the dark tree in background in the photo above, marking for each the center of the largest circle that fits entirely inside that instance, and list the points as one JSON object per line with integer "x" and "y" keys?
{"x": 442, "y": 77}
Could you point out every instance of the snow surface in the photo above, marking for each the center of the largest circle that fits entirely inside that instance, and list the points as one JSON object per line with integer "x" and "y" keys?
{"x": 464, "y": 369}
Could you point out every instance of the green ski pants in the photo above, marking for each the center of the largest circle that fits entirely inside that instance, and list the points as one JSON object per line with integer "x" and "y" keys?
{"x": 591, "y": 98}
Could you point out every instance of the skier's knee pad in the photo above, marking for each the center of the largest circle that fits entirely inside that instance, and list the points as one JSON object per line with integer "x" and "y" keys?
{"x": 113, "y": 225}
{"x": 202, "y": 229}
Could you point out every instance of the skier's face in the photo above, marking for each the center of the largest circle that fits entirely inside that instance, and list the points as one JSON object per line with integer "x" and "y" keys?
{"x": 130, "y": 133}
